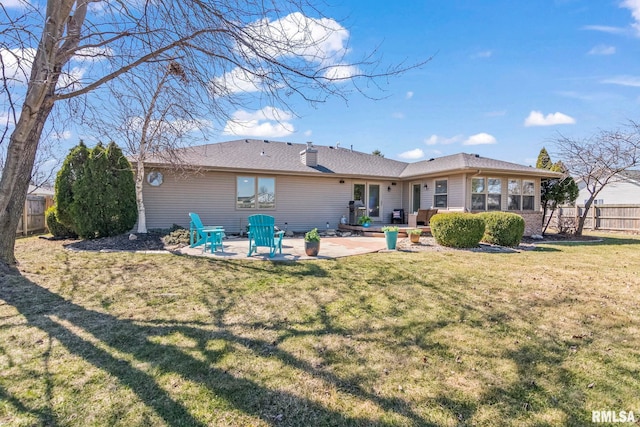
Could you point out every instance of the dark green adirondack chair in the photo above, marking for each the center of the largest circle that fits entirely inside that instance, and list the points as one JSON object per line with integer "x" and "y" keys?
{"x": 262, "y": 233}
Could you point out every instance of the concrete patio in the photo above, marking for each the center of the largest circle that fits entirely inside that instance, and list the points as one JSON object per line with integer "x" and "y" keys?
{"x": 293, "y": 249}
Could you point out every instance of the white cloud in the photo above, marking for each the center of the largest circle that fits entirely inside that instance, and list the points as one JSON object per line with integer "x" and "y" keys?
{"x": 412, "y": 154}
{"x": 606, "y": 29}
{"x": 64, "y": 135}
{"x": 270, "y": 122}
{"x": 15, "y": 4}
{"x": 72, "y": 79}
{"x": 408, "y": 95}
{"x": 633, "y": 81}
{"x": 440, "y": 140}
{"x": 536, "y": 118}
{"x": 17, "y": 63}
{"x": 317, "y": 40}
{"x": 634, "y": 7}
{"x": 236, "y": 81}
{"x": 483, "y": 54}
{"x": 398, "y": 115}
{"x": 480, "y": 139}
{"x": 308, "y": 133}
{"x": 92, "y": 54}
{"x": 6, "y": 119}
{"x": 341, "y": 72}
{"x": 602, "y": 49}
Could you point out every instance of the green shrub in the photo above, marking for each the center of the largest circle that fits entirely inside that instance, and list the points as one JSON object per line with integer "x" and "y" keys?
{"x": 312, "y": 236}
{"x": 457, "y": 230}
{"x": 178, "y": 236}
{"x": 57, "y": 228}
{"x": 95, "y": 192}
{"x": 502, "y": 228}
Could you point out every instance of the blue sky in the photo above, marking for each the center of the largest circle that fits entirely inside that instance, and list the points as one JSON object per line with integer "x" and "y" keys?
{"x": 568, "y": 66}
{"x": 506, "y": 78}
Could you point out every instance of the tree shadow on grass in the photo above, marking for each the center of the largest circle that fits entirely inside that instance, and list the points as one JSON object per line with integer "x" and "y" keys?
{"x": 57, "y": 317}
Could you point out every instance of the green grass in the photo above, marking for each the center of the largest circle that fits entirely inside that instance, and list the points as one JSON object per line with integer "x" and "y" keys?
{"x": 536, "y": 338}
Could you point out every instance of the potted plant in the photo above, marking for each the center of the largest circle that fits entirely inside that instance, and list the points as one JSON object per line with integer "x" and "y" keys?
{"x": 391, "y": 234}
{"x": 312, "y": 242}
{"x": 364, "y": 221}
{"x": 414, "y": 235}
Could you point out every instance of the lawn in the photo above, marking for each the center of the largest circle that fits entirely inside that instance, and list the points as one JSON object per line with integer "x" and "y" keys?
{"x": 535, "y": 338}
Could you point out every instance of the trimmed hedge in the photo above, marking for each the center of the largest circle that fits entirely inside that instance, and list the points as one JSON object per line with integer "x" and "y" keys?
{"x": 57, "y": 228}
{"x": 502, "y": 228}
{"x": 457, "y": 230}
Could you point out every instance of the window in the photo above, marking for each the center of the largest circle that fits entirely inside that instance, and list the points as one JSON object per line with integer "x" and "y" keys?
{"x": 486, "y": 197}
{"x": 494, "y": 196}
{"x": 478, "y": 196}
{"x": 255, "y": 193}
{"x": 528, "y": 195}
{"x": 440, "y": 197}
{"x": 522, "y": 195}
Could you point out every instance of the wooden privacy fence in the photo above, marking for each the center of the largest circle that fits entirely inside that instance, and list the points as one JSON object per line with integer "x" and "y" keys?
{"x": 600, "y": 217}
{"x": 32, "y": 219}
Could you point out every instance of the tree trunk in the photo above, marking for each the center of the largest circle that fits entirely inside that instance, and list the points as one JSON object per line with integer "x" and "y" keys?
{"x": 142, "y": 219}
{"x": 583, "y": 217}
{"x": 16, "y": 176}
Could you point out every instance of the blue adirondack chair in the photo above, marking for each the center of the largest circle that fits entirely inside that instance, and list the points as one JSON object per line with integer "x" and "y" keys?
{"x": 201, "y": 235}
{"x": 262, "y": 233}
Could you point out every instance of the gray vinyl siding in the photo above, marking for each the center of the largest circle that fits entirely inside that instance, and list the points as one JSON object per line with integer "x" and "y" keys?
{"x": 301, "y": 202}
{"x": 616, "y": 193}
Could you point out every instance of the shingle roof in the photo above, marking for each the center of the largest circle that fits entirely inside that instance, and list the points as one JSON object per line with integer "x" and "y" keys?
{"x": 284, "y": 157}
{"x": 631, "y": 174}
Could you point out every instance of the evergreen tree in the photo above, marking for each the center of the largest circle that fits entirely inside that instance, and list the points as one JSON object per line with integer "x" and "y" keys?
{"x": 554, "y": 191}
{"x": 101, "y": 198}
{"x": 72, "y": 169}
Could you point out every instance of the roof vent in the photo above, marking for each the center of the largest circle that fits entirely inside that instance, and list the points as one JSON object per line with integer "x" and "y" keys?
{"x": 266, "y": 140}
{"x": 288, "y": 143}
{"x": 309, "y": 156}
{"x": 431, "y": 159}
{"x": 477, "y": 155}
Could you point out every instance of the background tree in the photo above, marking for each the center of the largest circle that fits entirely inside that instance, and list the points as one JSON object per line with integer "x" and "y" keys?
{"x": 597, "y": 161}
{"x": 278, "y": 48}
{"x": 377, "y": 152}
{"x": 153, "y": 115}
{"x": 554, "y": 191}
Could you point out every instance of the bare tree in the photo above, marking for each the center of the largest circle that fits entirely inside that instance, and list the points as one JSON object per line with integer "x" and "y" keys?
{"x": 151, "y": 114}
{"x": 235, "y": 48}
{"x": 597, "y": 161}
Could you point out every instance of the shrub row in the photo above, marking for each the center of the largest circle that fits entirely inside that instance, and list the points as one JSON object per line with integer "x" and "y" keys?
{"x": 466, "y": 230}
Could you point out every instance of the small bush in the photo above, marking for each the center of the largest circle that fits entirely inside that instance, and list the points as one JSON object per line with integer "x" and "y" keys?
{"x": 312, "y": 236}
{"x": 56, "y": 227}
{"x": 457, "y": 230}
{"x": 502, "y": 228}
{"x": 179, "y": 236}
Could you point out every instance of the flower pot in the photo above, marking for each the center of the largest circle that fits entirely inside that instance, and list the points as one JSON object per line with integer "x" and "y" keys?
{"x": 366, "y": 224}
{"x": 415, "y": 238}
{"x": 311, "y": 248}
{"x": 392, "y": 238}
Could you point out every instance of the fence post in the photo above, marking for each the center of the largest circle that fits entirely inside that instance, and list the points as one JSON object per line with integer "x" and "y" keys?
{"x": 594, "y": 214}
{"x": 25, "y": 217}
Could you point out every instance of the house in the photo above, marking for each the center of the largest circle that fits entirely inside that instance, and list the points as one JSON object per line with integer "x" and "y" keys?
{"x": 624, "y": 190}
{"x": 305, "y": 186}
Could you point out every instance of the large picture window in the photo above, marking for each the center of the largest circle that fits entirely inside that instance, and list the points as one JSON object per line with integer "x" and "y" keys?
{"x": 521, "y": 195}
{"x": 486, "y": 194}
{"x": 440, "y": 197}
{"x": 255, "y": 192}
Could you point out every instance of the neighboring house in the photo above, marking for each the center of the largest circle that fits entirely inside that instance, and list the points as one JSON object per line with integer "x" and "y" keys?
{"x": 305, "y": 186}
{"x": 625, "y": 190}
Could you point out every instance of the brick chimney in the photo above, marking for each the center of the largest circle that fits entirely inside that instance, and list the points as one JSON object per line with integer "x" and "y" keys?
{"x": 309, "y": 156}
